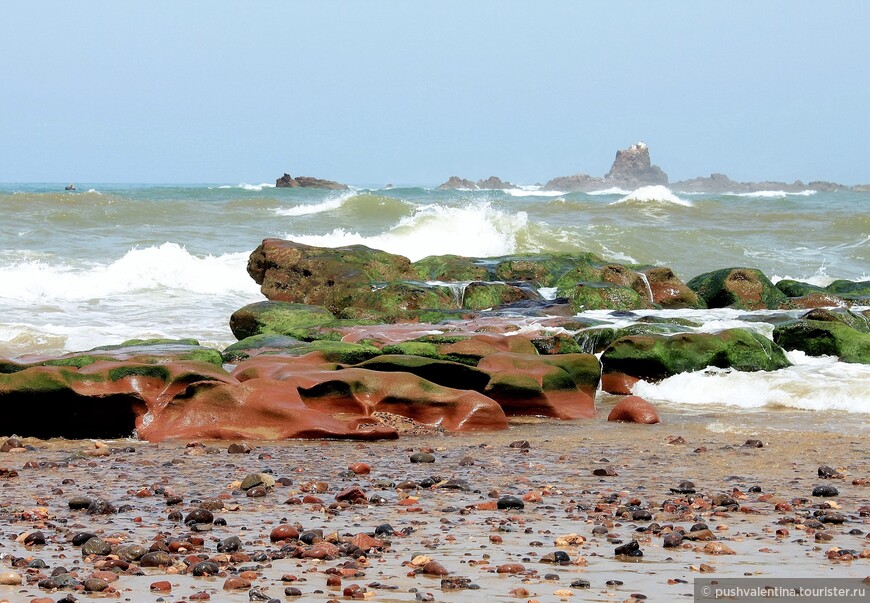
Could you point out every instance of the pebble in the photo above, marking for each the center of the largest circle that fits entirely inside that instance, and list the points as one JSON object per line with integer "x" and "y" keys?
{"x": 95, "y": 585}
{"x": 229, "y": 545}
{"x": 284, "y": 532}
{"x": 239, "y": 448}
{"x": 161, "y": 586}
{"x": 825, "y": 491}
{"x": 510, "y": 502}
{"x": 199, "y": 516}
{"x": 236, "y": 583}
{"x": 422, "y": 457}
{"x": 631, "y": 549}
{"x": 96, "y": 546}
{"x": 10, "y": 579}
{"x": 360, "y": 468}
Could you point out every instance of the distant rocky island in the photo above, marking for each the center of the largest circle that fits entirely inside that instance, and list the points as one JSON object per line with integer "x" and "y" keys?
{"x": 288, "y": 181}
{"x": 632, "y": 169}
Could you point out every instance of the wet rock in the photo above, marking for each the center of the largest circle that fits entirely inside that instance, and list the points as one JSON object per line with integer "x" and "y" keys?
{"x": 718, "y": 548}
{"x": 433, "y": 568}
{"x": 10, "y": 579}
{"x": 604, "y": 472}
{"x": 685, "y": 487}
{"x": 156, "y": 559}
{"x": 631, "y": 549}
{"x": 520, "y": 444}
{"x": 284, "y": 532}
{"x": 353, "y": 494}
{"x": 205, "y": 568}
{"x": 100, "y": 506}
{"x": 826, "y": 472}
{"x": 360, "y": 468}
{"x": 161, "y": 586}
{"x": 557, "y": 557}
{"x": 825, "y": 491}
{"x": 743, "y": 288}
{"x": 229, "y": 545}
{"x": 239, "y": 448}
{"x": 510, "y": 502}
{"x": 510, "y": 568}
{"x": 95, "y": 585}
{"x": 34, "y": 538}
{"x": 753, "y": 444}
{"x": 96, "y": 546}
{"x": 253, "y": 480}
{"x": 236, "y": 583}
{"x": 257, "y": 492}
{"x": 321, "y": 550}
{"x": 422, "y": 457}
{"x": 79, "y": 502}
{"x": 634, "y": 409}
{"x": 199, "y": 515}
{"x": 672, "y": 540}
{"x": 131, "y": 552}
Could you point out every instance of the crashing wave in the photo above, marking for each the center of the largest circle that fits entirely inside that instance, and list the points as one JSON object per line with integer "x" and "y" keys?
{"x": 654, "y": 194}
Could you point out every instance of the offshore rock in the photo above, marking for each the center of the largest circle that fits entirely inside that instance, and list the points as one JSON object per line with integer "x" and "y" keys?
{"x": 656, "y": 357}
{"x": 288, "y": 181}
{"x": 455, "y": 182}
{"x": 632, "y": 168}
{"x": 742, "y": 288}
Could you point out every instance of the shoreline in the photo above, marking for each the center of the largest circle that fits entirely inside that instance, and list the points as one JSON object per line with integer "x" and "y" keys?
{"x": 554, "y": 475}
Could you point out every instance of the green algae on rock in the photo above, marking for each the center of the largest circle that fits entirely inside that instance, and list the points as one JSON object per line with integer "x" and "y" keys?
{"x": 742, "y": 288}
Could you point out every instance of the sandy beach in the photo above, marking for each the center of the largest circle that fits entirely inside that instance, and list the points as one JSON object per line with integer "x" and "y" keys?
{"x": 587, "y": 487}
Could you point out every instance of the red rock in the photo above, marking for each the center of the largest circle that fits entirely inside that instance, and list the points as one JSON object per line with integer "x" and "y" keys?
{"x": 200, "y": 596}
{"x": 162, "y": 586}
{"x": 360, "y": 468}
{"x": 236, "y": 583}
{"x": 618, "y": 383}
{"x": 433, "y": 568}
{"x": 353, "y": 494}
{"x": 366, "y": 542}
{"x": 634, "y": 409}
{"x": 284, "y": 532}
{"x": 321, "y": 550}
{"x": 510, "y": 568}
{"x": 310, "y": 499}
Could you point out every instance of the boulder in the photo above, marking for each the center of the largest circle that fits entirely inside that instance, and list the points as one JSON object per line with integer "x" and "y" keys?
{"x": 494, "y": 183}
{"x": 742, "y": 288}
{"x": 601, "y": 296}
{"x": 329, "y": 277}
{"x": 851, "y": 290}
{"x": 449, "y": 268}
{"x": 824, "y": 338}
{"x": 481, "y": 295}
{"x": 555, "y": 270}
{"x": 560, "y": 386}
{"x": 575, "y": 183}
{"x": 656, "y": 357}
{"x": 668, "y": 291}
{"x": 288, "y": 181}
{"x": 299, "y": 321}
{"x": 260, "y": 344}
{"x": 392, "y": 302}
{"x": 634, "y": 409}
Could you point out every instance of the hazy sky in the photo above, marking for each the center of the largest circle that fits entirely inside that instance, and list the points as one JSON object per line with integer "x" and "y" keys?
{"x": 414, "y": 91}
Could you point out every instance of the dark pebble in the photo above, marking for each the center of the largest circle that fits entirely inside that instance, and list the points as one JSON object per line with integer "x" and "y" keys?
{"x": 205, "y": 568}
{"x": 826, "y": 472}
{"x": 34, "y": 538}
{"x": 96, "y": 546}
{"x": 632, "y": 549}
{"x": 230, "y": 545}
{"x": 79, "y": 502}
{"x": 825, "y": 491}
{"x": 422, "y": 457}
{"x": 510, "y": 502}
{"x": 100, "y": 506}
{"x": 581, "y": 584}
{"x": 753, "y": 444}
{"x": 199, "y": 516}
{"x": 82, "y": 537}
{"x": 685, "y": 487}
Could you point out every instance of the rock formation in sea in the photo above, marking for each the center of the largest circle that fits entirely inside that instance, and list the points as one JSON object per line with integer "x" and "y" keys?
{"x": 493, "y": 183}
{"x": 631, "y": 169}
{"x": 288, "y": 181}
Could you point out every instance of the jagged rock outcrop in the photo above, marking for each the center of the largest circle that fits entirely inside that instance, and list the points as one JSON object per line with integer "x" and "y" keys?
{"x": 493, "y": 182}
{"x": 455, "y": 182}
{"x": 632, "y": 168}
{"x": 288, "y": 181}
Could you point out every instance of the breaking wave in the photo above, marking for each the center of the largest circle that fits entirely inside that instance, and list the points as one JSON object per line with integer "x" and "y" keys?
{"x": 654, "y": 194}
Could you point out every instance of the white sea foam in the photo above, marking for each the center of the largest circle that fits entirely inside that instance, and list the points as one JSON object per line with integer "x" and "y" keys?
{"x": 613, "y": 190}
{"x": 531, "y": 192}
{"x": 249, "y": 187}
{"x": 317, "y": 208}
{"x": 653, "y": 194}
{"x": 811, "y": 384}
{"x": 776, "y": 194}
{"x": 167, "y": 267}
{"x": 476, "y": 230}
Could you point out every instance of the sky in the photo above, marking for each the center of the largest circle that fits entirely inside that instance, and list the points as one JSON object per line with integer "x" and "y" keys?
{"x": 413, "y": 92}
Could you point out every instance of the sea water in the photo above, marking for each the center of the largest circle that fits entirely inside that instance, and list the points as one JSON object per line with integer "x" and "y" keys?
{"x": 109, "y": 263}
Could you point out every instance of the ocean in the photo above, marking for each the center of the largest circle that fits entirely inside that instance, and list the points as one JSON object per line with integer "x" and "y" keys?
{"x": 109, "y": 262}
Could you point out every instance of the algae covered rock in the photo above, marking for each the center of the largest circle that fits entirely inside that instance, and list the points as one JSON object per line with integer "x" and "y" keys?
{"x": 604, "y": 296}
{"x": 454, "y": 268}
{"x": 656, "y": 357}
{"x": 482, "y": 295}
{"x": 825, "y": 333}
{"x": 669, "y": 291}
{"x": 743, "y": 288}
{"x": 299, "y": 321}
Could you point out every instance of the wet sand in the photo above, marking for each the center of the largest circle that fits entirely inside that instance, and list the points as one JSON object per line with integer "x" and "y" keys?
{"x": 768, "y": 526}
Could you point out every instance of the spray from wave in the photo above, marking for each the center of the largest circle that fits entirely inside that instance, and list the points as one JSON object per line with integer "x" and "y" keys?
{"x": 249, "y": 187}
{"x": 477, "y": 230}
{"x": 654, "y": 194}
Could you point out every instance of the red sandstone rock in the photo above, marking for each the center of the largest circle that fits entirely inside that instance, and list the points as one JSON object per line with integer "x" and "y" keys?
{"x": 618, "y": 383}
{"x": 284, "y": 532}
{"x": 634, "y": 409}
{"x": 360, "y": 468}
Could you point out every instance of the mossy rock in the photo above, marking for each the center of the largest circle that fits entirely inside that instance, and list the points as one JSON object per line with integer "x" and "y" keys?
{"x": 603, "y": 296}
{"x": 299, "y": 321}
{"x": 825, "y": 338}
{"x": 656, "y": 357}
{"x": 668, "y": 290}
{"x": 480, "y": 295}
{"x": 595, "y": 340}
{"x": 669, "y": 320}
{"x": 451, "y": 268}
{"x": 793, "y": 288}
{"x": 556, "y": 344}
{"x": 859, "y": 322}
{"x": 341, "y": 352}
{"x": 412, "y": 348}
{"x": 392, "y": 302}
{"x": 850, "y": 289}
{"x": 442, "y": 372}
{"x": 742, "y": 288}
{"x": 260, "y": 344}
{"x": 541, "y": 270}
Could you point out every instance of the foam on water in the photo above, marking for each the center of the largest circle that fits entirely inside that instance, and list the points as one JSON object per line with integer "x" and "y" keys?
{"x": 166, "y": 267}
{"x": 811, "y": 384}
{"x": 250, "y": 187}
{"x": 613, "y": 190}
{"x": 774, "y": 194}
{"x": 476, "y": 230}
{"x": 654, "y": 194}
{"x": 531, "y": 191}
